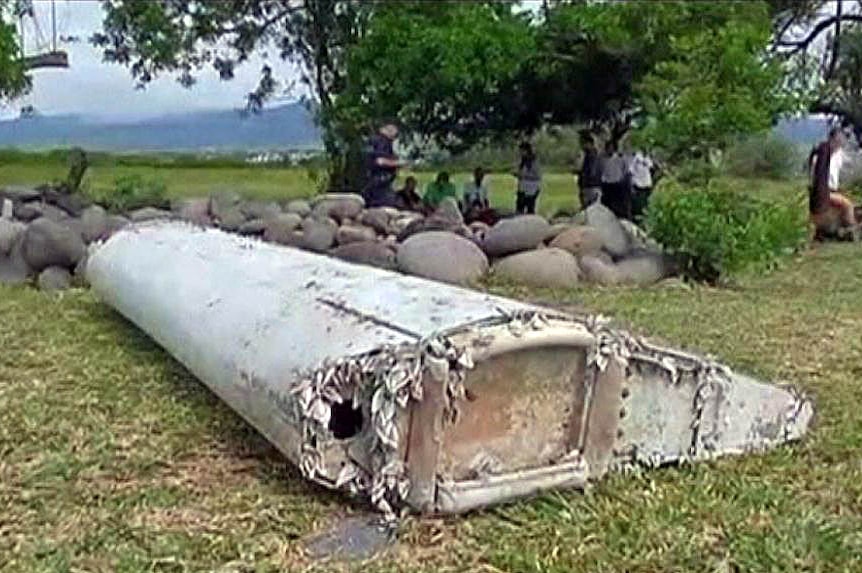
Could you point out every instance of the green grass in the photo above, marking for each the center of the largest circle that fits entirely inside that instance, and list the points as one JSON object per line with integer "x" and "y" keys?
{"x": 113, "y": 458}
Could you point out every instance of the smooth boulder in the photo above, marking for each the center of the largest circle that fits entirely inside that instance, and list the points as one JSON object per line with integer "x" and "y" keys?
{"x": 148, "y": 214}
{"x": 371, "y": 253}
{"x": 27, "y": 211}
{"x": 10, "y": 232}
{"x": 195, "y": 211}
{"x": 644, "y": 268}
{"x": 222, "y": 202}
{"x": 318, "y": 235}
{"x": 550, "y": 267}
{"x": 94, "y": 223}
{"x": 260, "y": 209}
{"x": 339, "y": 206}
{"x": 521, "y": 233}
{"x": 47, "y": 243}
{"x": 377, "y": 219}
{"x": 252, "y": 228}
{"x": 615, "y": 240}
{"x": 280, "y": 229}
{"x": 579, "y": 241}
{"x": 442, "y": 256}
{"x": 54, "y": 279}
{"x": 231, "y": 219}
{"x": 13, "y": 268}
{"x": 299, "y": 206}
{"x": 599, "y": 271}
{"x": 347, "y": 234}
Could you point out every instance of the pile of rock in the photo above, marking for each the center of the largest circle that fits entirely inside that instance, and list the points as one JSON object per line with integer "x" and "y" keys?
{"x": 45, "y": 238}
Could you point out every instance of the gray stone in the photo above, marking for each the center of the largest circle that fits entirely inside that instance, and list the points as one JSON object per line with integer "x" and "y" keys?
{"x": 115, "y": 223}
{"x": 94, "y": 224}
{"x": 260, "y": 209}
{"x": 556, "y": 230}
{"x": 339, "y": 206}
{"x": 378, "y": 219}
{"x": 298, "y": 206}
{"x": 79, "y": 275}
{"x": 47, "y": 243}
{"x": 448, "y": 209}
{"x": 13, "y": 268}
{"x": 27, "y": 211}
{"x": 371, "y": 253}
{"x": 253, "y": 227}
{"x": 318, "y": 236}
{"x": 10, "y": 233}
{"x": 222, "y": 202}
{"x": 638, "y": 238}
{"x": 21, "y": 193}
{"x": 550, "y": 267}
{"x": 347, "y": 234}
{"x": 148, "y": 214}
{"x": 7, "y": 211}
{"x": 644, "y": 268}
{"x": 579, "y": 241}
{"x": 195, "y": 210}
{"x": 54, "y": 279}
{"x": 73, "y": 205}
{"x": 442, "y": 256}
{"x": 280, "y": 229}
{"x": 400, "y": 223}
{"x": 231, "y": 219}
{"x": 54, "y": 213}
{"x": 522, "y": 233}
{"x": 614, "y": 237}
{"x": 599, "y": 271}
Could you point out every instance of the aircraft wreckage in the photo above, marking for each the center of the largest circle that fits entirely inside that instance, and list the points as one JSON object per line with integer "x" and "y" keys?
{"x": 419, "y": 395}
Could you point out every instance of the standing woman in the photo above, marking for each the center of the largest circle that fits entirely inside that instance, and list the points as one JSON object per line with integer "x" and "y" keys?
{"x": 529, "y": 181}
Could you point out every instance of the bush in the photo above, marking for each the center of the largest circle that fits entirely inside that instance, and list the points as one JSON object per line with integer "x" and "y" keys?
{"x": 717, "y": 231}
{"x": 766, "y": 156}
{"x": 132, "y": 192}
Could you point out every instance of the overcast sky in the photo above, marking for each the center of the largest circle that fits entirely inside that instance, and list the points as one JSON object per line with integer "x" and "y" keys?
{"x": 92, "y": 87}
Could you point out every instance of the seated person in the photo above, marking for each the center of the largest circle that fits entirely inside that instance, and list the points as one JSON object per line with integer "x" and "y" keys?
{"x": 407, "y": 199}
{"x": 476, "y": 204}
{"x": 438, "y": 190}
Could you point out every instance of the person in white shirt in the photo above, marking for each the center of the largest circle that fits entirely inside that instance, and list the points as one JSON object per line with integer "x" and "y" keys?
{"x": 640, "y": 171}
{"x": 476, "y": 204}
{"x": 616, "y": 194}
{"x": 529, "y": 181}
{"x": 825, "y": 196}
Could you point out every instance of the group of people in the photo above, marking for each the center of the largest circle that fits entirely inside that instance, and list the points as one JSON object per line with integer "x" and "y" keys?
{"x": 622, "y": 183}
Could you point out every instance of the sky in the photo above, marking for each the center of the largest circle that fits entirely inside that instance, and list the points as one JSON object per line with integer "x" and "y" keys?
{"x": 93, "y": 88}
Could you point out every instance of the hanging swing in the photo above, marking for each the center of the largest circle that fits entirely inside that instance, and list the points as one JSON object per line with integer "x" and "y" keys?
{"x": 47, "y": 55}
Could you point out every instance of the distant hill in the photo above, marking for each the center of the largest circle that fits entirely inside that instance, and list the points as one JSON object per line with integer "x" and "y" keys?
{"x": 278, "y": 128}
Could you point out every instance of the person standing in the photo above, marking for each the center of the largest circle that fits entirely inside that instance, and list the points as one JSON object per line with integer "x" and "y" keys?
{"x": 590, "y": 174}
{"x": 616, "y": 195}
{"x": 477, "y": 205}
{"x": 640, "y": 171}
{"x": 529, "y": 180}
{"x": 825, "y": 163}
{"x": 381, "y": 166}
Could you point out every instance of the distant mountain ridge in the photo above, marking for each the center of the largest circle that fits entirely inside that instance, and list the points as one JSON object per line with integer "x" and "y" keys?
{"x": 283, "y": 127}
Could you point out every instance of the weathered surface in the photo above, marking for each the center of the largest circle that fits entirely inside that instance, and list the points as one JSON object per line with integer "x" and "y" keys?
{"x": 338, "y": 206}
{"x": 318, "y": 235}
{"x": 10, "y": 233}
{"x": 28, "y": 211}
{"x": 260, "y": 209}
{"x": 521, "y": 233}
{"x": 294, "y": 338}
{"x": 552, "y": 268}
{"x": 13, "y": 268}
{"x": 373, "y": 253}
{"x": 54, "y": 279}
{"x": 614, "y": 237}
{"x": 597, "y": 270}
{"x": 378, "y": 219}
{"x": 47, "y": 243}
{"x": 442, "y": 256}
{"x": 347, "y": 234}
{"x": 148, "y": 214}
{"x": 579, "y": 241}
{"x": 94, "y": 223}
{"x": 299, "y": 206}
{"x": 196, "y": 210}
{"x": 280, "y": 229}
{"x": 644, "y": 268}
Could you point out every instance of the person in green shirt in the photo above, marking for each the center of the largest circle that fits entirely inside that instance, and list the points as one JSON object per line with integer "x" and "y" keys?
{"x": 439, "y": 190}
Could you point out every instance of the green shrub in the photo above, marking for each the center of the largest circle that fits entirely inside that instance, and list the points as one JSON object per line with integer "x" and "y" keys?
{"x": 133, "y": 192}
{"x": 717, "y": 231}
{"x": 766, "y": 156}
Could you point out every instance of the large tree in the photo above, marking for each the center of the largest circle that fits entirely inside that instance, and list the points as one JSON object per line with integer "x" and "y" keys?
{"x": 14, "y": 80}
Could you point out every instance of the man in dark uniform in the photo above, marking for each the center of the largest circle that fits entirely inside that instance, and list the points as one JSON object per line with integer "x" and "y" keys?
{"x": 382, "y": 166}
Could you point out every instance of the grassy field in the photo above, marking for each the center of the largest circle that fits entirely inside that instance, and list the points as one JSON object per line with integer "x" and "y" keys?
{"x": 113, "y": 458}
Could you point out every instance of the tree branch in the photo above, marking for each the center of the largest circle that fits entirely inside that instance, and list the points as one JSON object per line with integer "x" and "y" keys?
{"x": 803, "y": 44}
